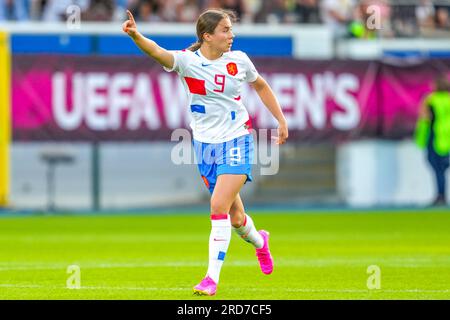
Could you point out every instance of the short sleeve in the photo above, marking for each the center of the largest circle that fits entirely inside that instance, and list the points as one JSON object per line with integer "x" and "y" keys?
{"x": 251, "y": 74}
{"x": 180, "y": 58}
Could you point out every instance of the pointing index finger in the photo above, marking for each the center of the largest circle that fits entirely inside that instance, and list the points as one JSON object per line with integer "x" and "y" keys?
{"x": 130, "y": 15}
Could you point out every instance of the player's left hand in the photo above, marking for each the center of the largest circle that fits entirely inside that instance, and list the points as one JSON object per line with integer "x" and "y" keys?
{"x": 283, "y": 133}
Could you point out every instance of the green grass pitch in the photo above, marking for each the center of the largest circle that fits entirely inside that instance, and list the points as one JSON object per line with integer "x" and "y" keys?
{"x": 317, "y": 255}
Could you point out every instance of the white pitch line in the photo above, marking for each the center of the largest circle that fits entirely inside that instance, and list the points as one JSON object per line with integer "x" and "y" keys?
{"x": 55, "y": 266}
{"x": 32, "y": 286}
{"x": 304, "y": 290}
{"x": 351, "y": 262}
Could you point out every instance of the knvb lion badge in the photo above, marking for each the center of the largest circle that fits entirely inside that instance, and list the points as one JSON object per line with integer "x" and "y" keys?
{"x": 232, "y": 68}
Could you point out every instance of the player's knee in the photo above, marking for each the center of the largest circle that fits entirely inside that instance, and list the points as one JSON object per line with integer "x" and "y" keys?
{"x": 219, "y": 206}
{"x": 237, "y": 219}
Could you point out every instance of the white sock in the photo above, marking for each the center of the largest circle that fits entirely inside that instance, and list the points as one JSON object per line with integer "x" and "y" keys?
{"x": 219, "y": 240}
{"x": 249, "y": 233}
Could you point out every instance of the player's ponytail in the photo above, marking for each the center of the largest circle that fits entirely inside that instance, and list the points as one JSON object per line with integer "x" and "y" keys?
{"x": 207, "y": 23}
{"x": 195, "y": 46}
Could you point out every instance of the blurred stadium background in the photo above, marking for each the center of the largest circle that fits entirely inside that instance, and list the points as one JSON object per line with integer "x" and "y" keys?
{"x": 86, "y": 121}
{"x": 351, "y": 93}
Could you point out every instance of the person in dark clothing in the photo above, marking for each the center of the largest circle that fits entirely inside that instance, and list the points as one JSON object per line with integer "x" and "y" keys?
{"x": 433, "y": 133}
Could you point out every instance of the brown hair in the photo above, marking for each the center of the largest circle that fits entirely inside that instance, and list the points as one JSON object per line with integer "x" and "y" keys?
{"x": 207, "y": 23}
{"x": 441, "y": 83}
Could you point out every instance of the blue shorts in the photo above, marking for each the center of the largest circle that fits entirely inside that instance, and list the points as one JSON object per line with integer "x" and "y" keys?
{"x": 231, "y": 157}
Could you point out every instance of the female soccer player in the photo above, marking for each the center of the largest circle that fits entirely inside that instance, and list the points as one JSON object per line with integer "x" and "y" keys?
{"x": 213, "y": 76}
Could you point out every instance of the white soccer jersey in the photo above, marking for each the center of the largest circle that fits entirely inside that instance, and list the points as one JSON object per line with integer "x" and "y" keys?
{"x": 214, "y": 93}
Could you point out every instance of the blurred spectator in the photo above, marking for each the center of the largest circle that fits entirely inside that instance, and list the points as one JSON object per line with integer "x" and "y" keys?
{"x": 338, "y": 14}
{"x": 442, "y": 17}
{"x": 253, "y": 7}
{"x": 56, "y": 10}
{"x": 149, "y": 11}
{"x": 14, "y": 10}
{"x": 36, "y": 9}
{"x": 307, "y": 11}
{"x": 353, "y": 18}
{"x": 187, "y": 10}
{"x": 433, "y": 133}
{"x": 372, "y": 19}
{"x": 120, "y": 7}
{"x": 404, "y": 21}
{"x": 425, "y": 14}
{"x": 168, "y": 10}
{"x": 272, "y": 12}
{"x": 239, "y": 7}
{"x": 100, "y": 10}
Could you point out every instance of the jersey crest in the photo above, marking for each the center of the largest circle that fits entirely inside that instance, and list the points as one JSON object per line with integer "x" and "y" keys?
{"x": 232, "y": 68}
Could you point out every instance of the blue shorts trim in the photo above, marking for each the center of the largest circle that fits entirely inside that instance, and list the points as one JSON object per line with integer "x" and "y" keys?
{"x": 231, "y": 157}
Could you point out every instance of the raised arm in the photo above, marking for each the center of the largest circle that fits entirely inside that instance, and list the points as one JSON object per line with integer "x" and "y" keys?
{"x": 150, "y": 47}
{"x": 270, "y": 101}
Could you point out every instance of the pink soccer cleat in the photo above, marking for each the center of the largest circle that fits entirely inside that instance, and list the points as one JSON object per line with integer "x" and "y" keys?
{"x": 207, "y": 287}
{"x": 263, "y": 254}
